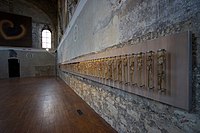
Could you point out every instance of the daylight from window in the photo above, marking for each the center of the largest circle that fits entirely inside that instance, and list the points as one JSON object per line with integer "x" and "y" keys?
{"x": 46, "y": 39}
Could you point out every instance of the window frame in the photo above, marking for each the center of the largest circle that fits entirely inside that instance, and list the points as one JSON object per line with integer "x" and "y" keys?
{"x": 47, "y": 29}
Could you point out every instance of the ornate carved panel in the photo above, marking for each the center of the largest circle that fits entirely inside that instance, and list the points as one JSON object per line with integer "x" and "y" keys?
{"x": 158, "y": 69}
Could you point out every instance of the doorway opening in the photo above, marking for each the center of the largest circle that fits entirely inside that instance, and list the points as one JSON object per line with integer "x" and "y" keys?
{"x": 14, "y": 68}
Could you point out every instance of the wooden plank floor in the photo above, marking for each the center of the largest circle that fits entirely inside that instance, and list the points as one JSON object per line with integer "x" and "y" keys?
{"x": 45, "y": 105}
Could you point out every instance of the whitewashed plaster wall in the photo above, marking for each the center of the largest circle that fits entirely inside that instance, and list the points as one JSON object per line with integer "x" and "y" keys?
{"x": 96, "y": 28}
{"x": 105, "y": 23}
{"x": 32, "y": 63}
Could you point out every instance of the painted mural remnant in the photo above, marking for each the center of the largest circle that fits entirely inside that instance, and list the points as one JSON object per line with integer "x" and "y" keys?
{"x": 15, "y": 30}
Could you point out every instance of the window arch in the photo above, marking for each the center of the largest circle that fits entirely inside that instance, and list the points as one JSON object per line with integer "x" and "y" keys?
{"x": 46, "y": 38}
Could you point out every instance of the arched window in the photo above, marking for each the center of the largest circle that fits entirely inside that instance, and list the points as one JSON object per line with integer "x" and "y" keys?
{"x": 46, "y": 38}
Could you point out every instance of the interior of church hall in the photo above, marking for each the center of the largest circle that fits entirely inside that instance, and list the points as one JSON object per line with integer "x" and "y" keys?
{"x": 99, "y": 66}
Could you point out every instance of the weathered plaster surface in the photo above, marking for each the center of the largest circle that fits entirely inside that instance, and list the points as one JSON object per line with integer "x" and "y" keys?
{"x": 31, "y": 63}
{"x": 109, "y": 23}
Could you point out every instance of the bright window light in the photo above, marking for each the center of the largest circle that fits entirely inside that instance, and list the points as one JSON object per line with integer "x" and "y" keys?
{"x": 46, "y": 39}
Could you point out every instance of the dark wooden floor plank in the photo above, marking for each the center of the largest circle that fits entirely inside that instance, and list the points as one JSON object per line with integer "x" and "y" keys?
{"x": 45, "y": 105}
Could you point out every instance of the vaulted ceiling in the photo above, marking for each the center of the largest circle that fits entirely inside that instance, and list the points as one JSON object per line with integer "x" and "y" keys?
{"x": 50, "y": 7}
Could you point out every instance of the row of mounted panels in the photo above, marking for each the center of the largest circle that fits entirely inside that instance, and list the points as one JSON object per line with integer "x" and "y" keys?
{"x": 159, "y": 69}
{"x": 146, "y": 70}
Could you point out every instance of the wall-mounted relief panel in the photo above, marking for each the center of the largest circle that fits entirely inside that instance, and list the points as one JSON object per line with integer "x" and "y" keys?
{"x": 158, "y": 69}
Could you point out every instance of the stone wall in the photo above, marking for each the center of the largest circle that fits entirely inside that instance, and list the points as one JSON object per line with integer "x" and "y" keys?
{"x": 129, "y": 113}
{"x": 66, "y": 9}
{"x": 46, "y": 70}
{"x": 32, "y": 63}
{"x": 115, "y": 23}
